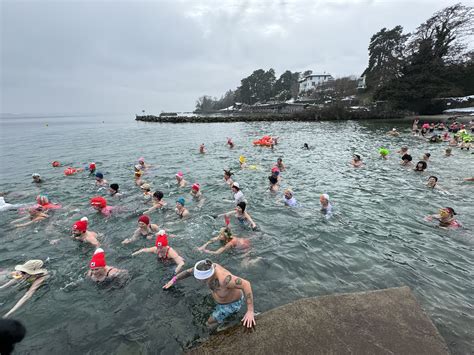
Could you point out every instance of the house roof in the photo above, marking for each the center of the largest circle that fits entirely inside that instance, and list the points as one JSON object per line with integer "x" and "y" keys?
{"x": 315, "y": 75}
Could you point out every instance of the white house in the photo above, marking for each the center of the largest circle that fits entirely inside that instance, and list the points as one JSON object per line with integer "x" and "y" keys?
{"x": 361, "y": 85}
{"x": 312, "y": 81}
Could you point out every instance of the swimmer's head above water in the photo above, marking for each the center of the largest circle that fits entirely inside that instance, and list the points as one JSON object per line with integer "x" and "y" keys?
{"x": 204, "y": 269}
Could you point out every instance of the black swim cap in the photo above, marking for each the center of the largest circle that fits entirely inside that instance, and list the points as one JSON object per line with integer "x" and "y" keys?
{"x": 158, "y": 195}
{"x": 434, "y": 177}
{"x": 114, "y": 187}
{"x": 407, "y": 157}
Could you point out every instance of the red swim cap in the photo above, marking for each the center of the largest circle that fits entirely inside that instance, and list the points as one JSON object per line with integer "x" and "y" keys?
{"x": 55, "y": 164}
{"x": 144, "y": 219}
{"x": 81, "y": 225}
{"x": 98, "y": 259}
{"x": 196, "y": 186}
{"x": 161, "y": 240}
{"x": 99, "y": 201}
{"x": 91, "y": 166}
{"x": 70, "y": 171}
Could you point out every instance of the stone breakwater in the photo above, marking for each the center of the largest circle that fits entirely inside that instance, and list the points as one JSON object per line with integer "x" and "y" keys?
{"x": 306, "y": 116}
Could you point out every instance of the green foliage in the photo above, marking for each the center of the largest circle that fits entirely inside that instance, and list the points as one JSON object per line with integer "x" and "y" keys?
{"x": 434, "y": 65}
{"x": 260, "y": 86}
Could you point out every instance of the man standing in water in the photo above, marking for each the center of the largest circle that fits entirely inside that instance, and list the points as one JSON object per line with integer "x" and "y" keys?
{"x": 228, "y": 291}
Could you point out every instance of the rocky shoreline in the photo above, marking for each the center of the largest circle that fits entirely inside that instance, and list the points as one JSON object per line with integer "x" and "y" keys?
{"x": 332, "y": 114}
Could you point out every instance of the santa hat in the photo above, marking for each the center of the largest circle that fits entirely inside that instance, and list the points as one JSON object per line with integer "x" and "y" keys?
{"x": 98, "y": 259}
{"x": 144, "y": 219}
{"x": 99, "y": 201}
{"x": 81, "y": 225}
{"x": 42, "y": 200}
{"x": 161, "y": 239}
{"x": 91, "y": 166}
{"x": 196, "y": 186}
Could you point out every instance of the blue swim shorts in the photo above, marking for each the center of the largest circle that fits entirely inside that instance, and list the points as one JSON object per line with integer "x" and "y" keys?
{"x": 222, "y": 311}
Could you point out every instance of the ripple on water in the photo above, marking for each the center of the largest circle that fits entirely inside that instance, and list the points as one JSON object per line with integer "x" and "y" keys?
{"x": 376, "y": 238}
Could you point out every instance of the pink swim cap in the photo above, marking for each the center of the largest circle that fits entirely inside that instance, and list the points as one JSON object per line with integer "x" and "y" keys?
{"x": 179, "y": 174}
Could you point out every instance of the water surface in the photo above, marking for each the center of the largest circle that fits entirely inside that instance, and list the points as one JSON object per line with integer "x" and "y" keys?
{"x": 376, "y": 239}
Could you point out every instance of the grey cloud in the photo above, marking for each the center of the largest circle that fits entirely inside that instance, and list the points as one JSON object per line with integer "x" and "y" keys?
{"x": 104, "y": 56}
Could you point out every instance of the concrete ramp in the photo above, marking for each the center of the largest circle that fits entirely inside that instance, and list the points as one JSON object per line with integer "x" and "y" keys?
{"x": 377, "y": 322}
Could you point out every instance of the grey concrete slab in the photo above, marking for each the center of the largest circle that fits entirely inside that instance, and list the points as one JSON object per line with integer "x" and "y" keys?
{"x": 388, "y": 321}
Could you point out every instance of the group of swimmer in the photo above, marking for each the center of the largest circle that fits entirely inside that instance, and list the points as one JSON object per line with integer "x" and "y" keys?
{"x": 228, "y": 290}
{"x": 460, "y": 138}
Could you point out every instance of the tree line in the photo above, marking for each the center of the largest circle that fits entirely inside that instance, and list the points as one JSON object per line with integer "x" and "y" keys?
{"x": 409, "y": 71}
{"x": 414, "y": 70}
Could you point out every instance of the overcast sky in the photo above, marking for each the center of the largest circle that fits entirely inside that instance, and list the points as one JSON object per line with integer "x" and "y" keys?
{"x": 125, "y": 56}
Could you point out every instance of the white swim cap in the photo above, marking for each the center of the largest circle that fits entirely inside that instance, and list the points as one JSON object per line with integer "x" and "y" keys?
{"x": 208, "y": 271}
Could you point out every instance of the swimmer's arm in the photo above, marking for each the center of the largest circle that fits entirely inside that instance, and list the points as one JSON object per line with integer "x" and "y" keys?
{"x": 27, "y": 223}
{"x": 178, "y": 260}
{"x": 182, "y": 275}
{"x": 94, "y": 242}
{"x": 227, "y": 213}
{"x": 19, "y": 220}
{"x": 203, "y": 247}
{"x": 145, "y": 250}
{"x": 134, "y": 237}
{"x": 220, "y": 250}
{"x": 252, "y": 223}
{"x": 8, "y": 284}
{"x": 231, "y": 282}
{"x": 151, "y": 209}
{"x": 27, "y": 295}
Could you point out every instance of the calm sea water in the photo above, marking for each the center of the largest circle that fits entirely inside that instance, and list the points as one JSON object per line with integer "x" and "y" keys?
{"x": 376, "y": 239}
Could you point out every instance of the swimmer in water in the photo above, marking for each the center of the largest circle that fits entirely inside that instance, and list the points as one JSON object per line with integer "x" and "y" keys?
{"x": 100, "y": 271}
{"x": 142, "y": 164}
{"x": 180, "y": 179}
{"x": 306, "y": 146}
{"x": 274, "y": 185}
{"x": 100, "y": 205}
{"x": 326, "y": 207}
{"x": 421, "y": 166}
{"x": 230, "y": 241}
{"x": 99, "y": 180}
{"x": 393, "y": 132}
{"x": 403, "y": 150}
{"x": 384, "y": 152}
{"x": 114, "y": 190}
{"x": 202, "y": 149}
{"x": 406, "y": 160}
{"x": 196, "y": 191}
{"x": 356, "y": 161}
{"x": 80, "y": 233}
{"x": 138, "y": 175}
{"x": 276, "y": 173}
{"x": 145, "y": 230}
{"x": 31, "y": 273}
{"x": 230, "y": 143}
{"x": 163, "y": 251}
{"x": 469, "y": 179}
{"x": 242, "y": 162}
{"x": 158, "y": 202}
{"x": 446, "y": 218}
{"x": 180, "y": 210}
{"x": 237, "y": 193}
{"x": 228, "y": 291}
{"x": 92, "y": 168}
{"x": 147, "y": 194}
{"x": 426, "y": 157}
{"x": 448, "y": 152}
{"x": 433, "y": 183}
{"x": 37, "y": 178}
{"x": 35, "y": 214}
{"x": 289, "y": 199}
{"x": 227, "y": 177}
{"x": 242, "y": 215}
{"x": 279, "y": 164}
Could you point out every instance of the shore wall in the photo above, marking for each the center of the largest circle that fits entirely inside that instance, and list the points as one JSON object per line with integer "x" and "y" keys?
{"x": 388, "y": 321}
